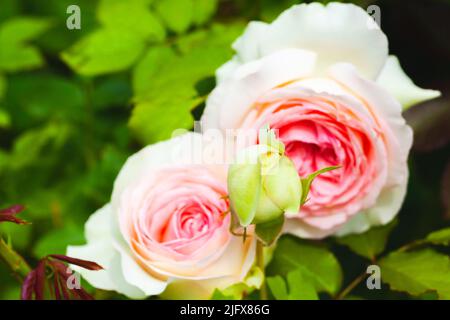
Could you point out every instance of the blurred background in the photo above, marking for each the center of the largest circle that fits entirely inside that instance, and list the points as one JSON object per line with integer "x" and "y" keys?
{"x": 74, "y": 104}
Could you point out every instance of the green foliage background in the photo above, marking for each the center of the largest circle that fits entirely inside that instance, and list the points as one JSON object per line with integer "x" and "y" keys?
{"x": 74, "y": 104}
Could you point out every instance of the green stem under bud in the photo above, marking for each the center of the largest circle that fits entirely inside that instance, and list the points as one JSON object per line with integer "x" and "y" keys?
{"x": 260, "y": 263}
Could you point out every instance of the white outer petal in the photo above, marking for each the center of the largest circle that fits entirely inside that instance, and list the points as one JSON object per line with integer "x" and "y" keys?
{"x": 248, "y": 45}
{"x": 99, "y": 248}
{"x": 100, "y": 252}
{"x": 336, "y": 33}
{"x": 303, "y": 230}
{"x": 232, "y": 99}
{"x": 122, "y": 285}
{"x": 394, "y": 80}
{"x": 135, "y": 276}
{"x": 226, "y": 70}
{"x": 388, "y": 204}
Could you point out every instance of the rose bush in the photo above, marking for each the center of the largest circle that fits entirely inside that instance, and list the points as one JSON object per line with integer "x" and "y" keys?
{"x": 322, "y": 77}
{"x": 166, "y": 229}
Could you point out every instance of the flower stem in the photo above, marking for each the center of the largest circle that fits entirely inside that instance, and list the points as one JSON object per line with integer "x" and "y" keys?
{"x": 260, "y": 263}
{"x": 351, "y": 286}
{"x": 15, "y": 261}
{"x": 411, "y": 245}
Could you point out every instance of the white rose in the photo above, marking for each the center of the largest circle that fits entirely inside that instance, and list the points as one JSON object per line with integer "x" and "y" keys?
{"x": 166, "y": 229}
{"x": 322, "y": 78}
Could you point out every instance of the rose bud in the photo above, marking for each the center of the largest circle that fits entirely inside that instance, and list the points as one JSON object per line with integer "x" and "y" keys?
{"x": 263, "y": 183}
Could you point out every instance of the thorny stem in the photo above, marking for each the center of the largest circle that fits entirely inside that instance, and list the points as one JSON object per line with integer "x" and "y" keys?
{"x": 260, "y": 263}
{"x": 15, "y": 261}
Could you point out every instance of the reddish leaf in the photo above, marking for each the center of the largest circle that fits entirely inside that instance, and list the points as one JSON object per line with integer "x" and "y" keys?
{"x": 83, "y": 295}
{"x": 36, "y": 281}
{"x": 28, "y": 286}
{"x": 12, "y": 210}
{"x": 63, "y": 283}
{"x": 8, "y": 214}
{"x": 61, "y": 272}
{"x": 56, "y": 288}
{"x": 82, "y": 263}
{"x": 39, "y": 285}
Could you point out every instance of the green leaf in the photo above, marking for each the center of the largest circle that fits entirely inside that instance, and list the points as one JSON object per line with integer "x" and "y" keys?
{"x": 112, "y": 91}
{"x": 271, "y": 9}
{"x": 134, "y": 16}
{"x": 33, "y": 145}
{"x": 132, "y": 20}
{"x": 237, "y": 291}
{"x": 219, "y": 295}
{"x": 151, "y": 64}
{"x": 371, "y": 243}
{"x": 163, "y": 72}
{"x": 47, "y": 97}
{"x": 204, "y": 10}
{"x": 216, "y": 41}
{"x": 417, "y": 272}
{"x": 3, "y": 85}
{"x": 278, "y": 287}
{"x": 96, "y": 184}
{"x": 161, "y": 122}
{"x": 59, "y": 38}
{"x": 317, "y": 261}
{"x": 151, "y": 77}
{"x": 10, "y": 8}
{"x": 177, "y": 15}
{"x": 11, "y": 293}
{"x": 269, "y": 232}
{"x": 104, "y": 51}
{"x": 5, "y": 120}
{"x": 57, "y": 240}
{"x": 306, "y": 182}
{"x": 439, "y": 237}
{"x": 300, "y": 286}
{"x": 15, "y": 52}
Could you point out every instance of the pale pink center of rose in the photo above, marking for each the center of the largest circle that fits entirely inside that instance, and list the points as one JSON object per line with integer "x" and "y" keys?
{"x": 193, "y": 222}
{"x": 321, "y": 132}
{"x": 178, "y": 214}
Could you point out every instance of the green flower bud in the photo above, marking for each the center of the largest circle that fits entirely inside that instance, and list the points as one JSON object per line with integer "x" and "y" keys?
{"x": 281, "y": 192}
{"x": 263, "y": 184}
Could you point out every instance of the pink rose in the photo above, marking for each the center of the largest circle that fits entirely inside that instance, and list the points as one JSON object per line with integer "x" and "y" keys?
{"x": 167, "y": 227}
{"x": 317, "y": 75}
